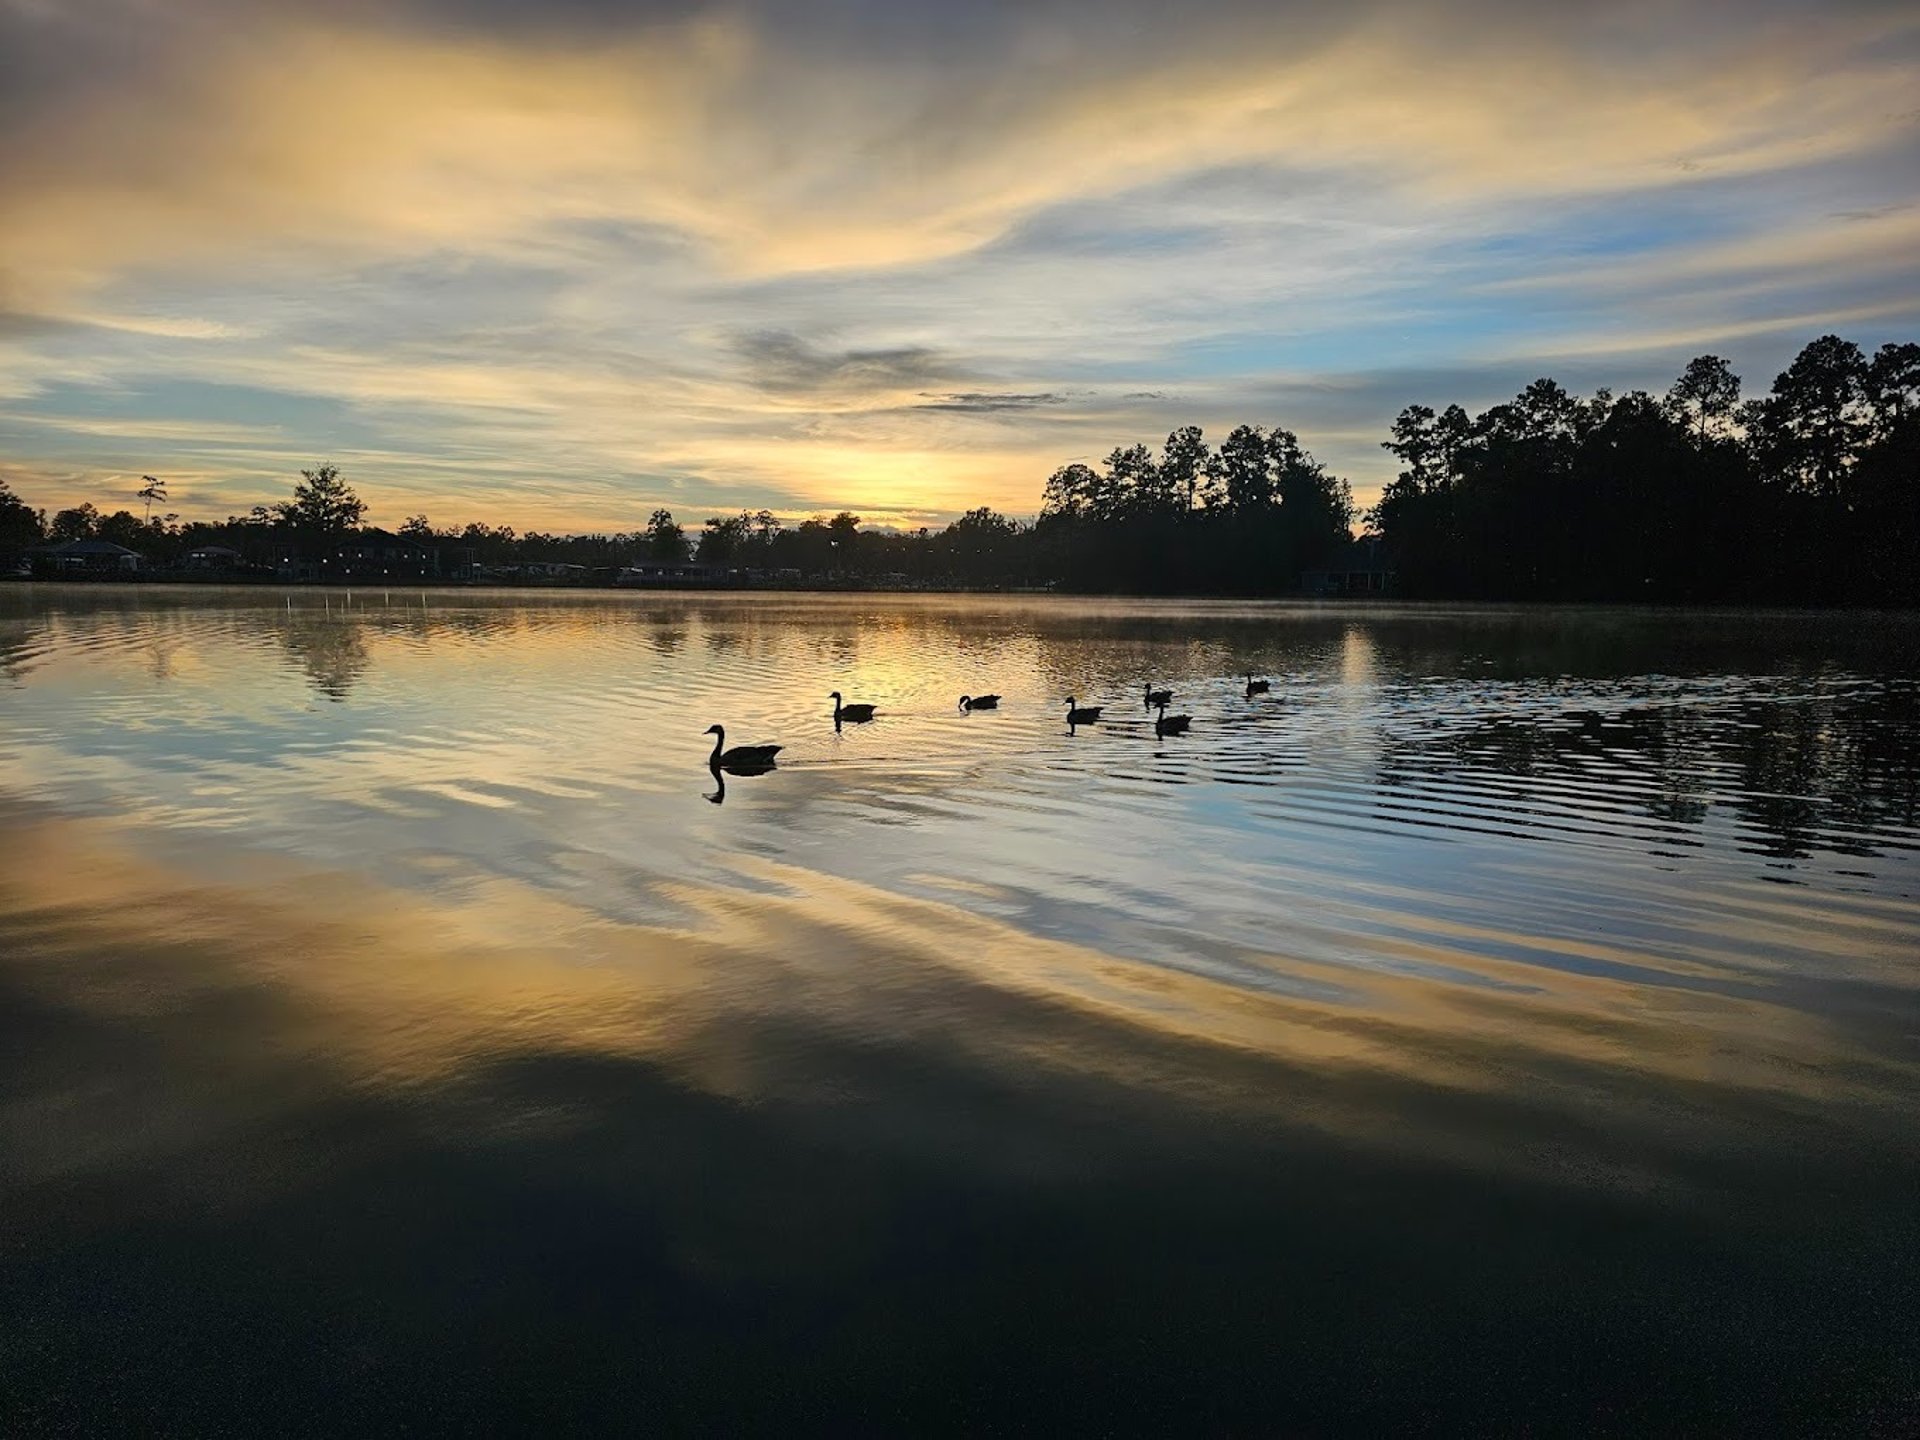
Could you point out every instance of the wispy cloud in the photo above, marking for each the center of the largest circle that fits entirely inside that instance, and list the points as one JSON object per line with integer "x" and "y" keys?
{"x": 983, "y": 402}
{"x": 785, "y": 364}
{"x": 597, "y": 256}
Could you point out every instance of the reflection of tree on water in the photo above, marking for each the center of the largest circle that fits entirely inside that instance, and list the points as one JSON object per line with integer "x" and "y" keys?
{"x": 17, "y": 656}
{"x": 331, "y": 648}
{"x": 1834, "y": 772}
{"x": 160, "y": 657}
{"x": 1679, "y": 746}
{"x": 1831, "y": 773}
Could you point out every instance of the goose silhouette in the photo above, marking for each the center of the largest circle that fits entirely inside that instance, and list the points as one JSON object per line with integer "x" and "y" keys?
{"x": 979, "y": 702}
{"x": 1157, "y": 697}
{"x": 1255, "y": 687}
{"x": 1082, "y": 714}
{"x": 741, "y": 759}
{"x": 852, "y": 714}
{"x": 1165, "y": 724}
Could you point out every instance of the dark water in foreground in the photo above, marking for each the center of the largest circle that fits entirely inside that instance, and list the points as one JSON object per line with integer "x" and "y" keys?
{"x": 1511, "y": 1022}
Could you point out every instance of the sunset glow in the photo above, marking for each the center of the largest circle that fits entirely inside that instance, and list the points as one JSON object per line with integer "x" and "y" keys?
{"x": 558, "y": 267}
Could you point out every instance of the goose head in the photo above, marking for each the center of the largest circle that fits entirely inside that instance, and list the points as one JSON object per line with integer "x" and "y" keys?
{"x": 715, "y": 730}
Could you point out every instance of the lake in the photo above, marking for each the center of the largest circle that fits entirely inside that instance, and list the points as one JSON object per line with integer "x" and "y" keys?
{"x": 1509, "y": 1022}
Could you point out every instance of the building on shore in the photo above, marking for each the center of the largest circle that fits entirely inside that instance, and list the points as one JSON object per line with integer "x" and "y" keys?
{"x": 1362, "y": 569}
{"x": 362, "y": 555}
{"x": 212, "y": 558}
{"x": 85, "y": 557}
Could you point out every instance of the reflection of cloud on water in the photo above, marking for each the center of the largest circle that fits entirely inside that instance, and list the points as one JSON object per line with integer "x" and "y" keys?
{"x": 748, "y": 995}
{"x": 1412, "y": 966}
{"x": 488, "y": 1149}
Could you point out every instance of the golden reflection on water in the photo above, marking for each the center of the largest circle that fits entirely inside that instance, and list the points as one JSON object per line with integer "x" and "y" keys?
{"x": 1503, "y": 994}
{"x": 281, "y": 977}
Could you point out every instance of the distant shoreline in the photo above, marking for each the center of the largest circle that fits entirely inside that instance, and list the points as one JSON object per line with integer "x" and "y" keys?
{"x": 230, "y": 582}
{"x": 1437, "y": 604}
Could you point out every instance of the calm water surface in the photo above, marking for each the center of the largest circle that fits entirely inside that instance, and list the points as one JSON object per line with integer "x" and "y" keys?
{"x": 1510, "y": 1022}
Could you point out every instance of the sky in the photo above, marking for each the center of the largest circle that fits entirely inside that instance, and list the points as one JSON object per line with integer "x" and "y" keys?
{"x": 554, "y": 265}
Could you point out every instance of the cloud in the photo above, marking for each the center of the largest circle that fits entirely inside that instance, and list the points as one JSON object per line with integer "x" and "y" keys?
{"x": 883, "y": 154}
{"x": 979, "y": 402}
{"x": 1884, "y": 240}
{"x": 601, "y": 254}
{"x": 784, "y": 364}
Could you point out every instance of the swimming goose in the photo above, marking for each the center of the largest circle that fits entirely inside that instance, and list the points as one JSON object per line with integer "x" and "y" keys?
{"x": 1255, "y": 687}
{"x": 979, "y": 702}
{"x": 1157, "y": 697}
{"x": 853, "y": 714}
{"x": 1083, "y": 715}
{"x": 1165, "y": 724}
{"x": 741, "y": 757}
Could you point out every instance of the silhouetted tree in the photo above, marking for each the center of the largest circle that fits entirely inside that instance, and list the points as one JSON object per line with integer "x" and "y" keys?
{"x": 1184, "y": 461}
{"x": 1131, "y": 485}
{"x": 666, "y": 540}
{"x": 1810, "y": 427}
{"x": 152, "y": 490}
{"x": 20, "y": 524}
{"x": 1705, "y": 398}
{"x": 1893, "y": 386}
{"x": 323, "y": 505}
{"x": 726, "y": 540}
{"x": 1243, "y": 470}
{"x": 1070, "y": 490}
{"x": 123, "y": 527}
{"x": 77, "y": 523}
{"x": 981, "y": 545}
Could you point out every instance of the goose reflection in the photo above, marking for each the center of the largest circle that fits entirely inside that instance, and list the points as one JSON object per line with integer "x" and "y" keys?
{"x": 719, "y": 795}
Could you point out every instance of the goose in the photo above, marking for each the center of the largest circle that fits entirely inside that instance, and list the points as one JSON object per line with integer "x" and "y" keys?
{"x": 1082, "y": 715}
{"x": 854, "y": 714}
{"x": 1157, "y": 697}
{"x": 1165, "y": 724}
{"x": 1255, "y": 687}
{"x": 979, "y": 702}
{"x": 741, "y": 757}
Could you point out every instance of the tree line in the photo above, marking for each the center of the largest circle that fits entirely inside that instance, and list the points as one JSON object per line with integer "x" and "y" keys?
{"x": 982, "y": 547}
{"x": 1808, "y": 494}
{"x": 1246, "y": 518}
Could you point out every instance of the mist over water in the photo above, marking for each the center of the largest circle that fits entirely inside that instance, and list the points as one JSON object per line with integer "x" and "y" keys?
{"x": 1510, "y": 1019}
